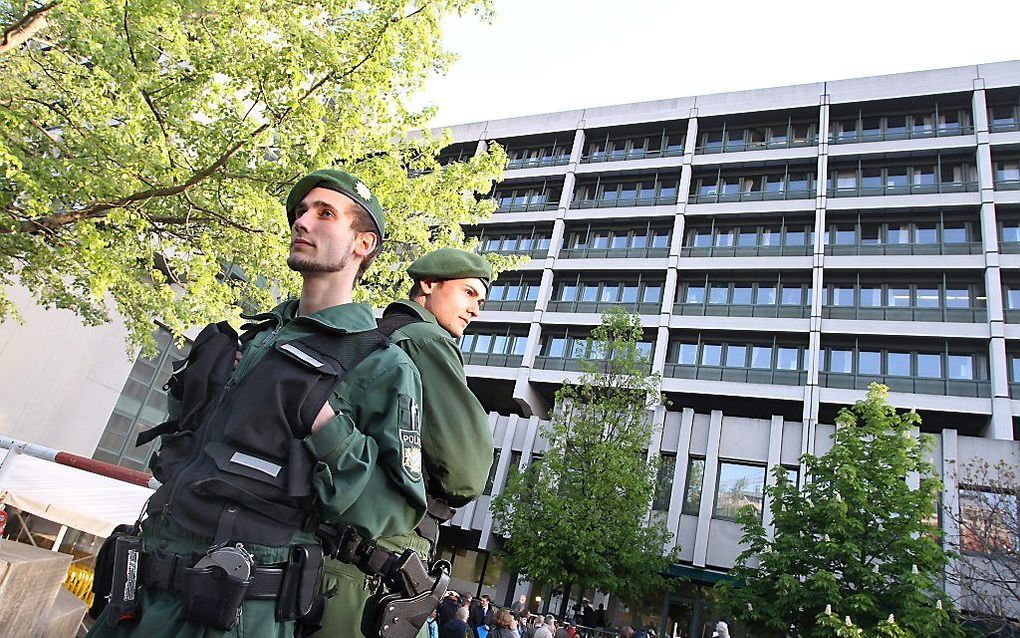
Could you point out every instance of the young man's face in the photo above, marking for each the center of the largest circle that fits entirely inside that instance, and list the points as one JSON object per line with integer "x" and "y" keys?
{"x": 321, "y": 236}
{"x": 454, "y": 302}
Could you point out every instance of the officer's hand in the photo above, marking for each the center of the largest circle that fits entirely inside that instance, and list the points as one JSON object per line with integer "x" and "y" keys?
{"x": 323, "y": 417}
{"x": 237, "y": 359}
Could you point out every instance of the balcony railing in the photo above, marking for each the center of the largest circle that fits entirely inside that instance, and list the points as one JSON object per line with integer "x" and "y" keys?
{"x": 535, "y": 252}
{"x": 523, "y": 208}
{"x": 961, "y": 315}
{"x": 746, "y": 251}
{"x": 1004, "y": 126}
{"x": 624, "y": 202}
{"x": 1014, "y": 390}
{"x": 736, "y": 146}
{"x": 538, "y": 162}
{"x": 903, "y": 189}
{"x": 612, "y": 253}
{"x": 742, "y": 310}
{"x": 962, "y": 248}
{"x": 750, "y": 196}
{"x": 738, "y": 375}
{"x": 912, "y": 385}
{"x": 493, "y": 359}
{"x": 522, "y": 305}
{"x": 622, "y": 155}
{"x": 1007, "y": 184}
{"x": 874, "y": 135}
{"x": 599, "y": 307}
{"x": 565, "y": 364}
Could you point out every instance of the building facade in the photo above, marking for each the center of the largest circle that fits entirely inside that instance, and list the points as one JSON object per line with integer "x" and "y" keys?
{"x": 784, "y": 248}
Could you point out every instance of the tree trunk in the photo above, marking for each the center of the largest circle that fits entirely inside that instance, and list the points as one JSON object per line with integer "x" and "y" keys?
{"x": 565, "y": 600}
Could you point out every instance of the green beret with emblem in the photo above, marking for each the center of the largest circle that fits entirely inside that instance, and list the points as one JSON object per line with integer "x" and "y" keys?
{"x": 341, "y": 182}
{"x": 451, "y": 263}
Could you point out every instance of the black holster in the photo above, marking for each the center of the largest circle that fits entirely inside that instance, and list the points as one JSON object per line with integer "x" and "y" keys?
{"x": 212, "y": 597}
{"x": 116, "y": 580}
{"x": 414, "y": 593}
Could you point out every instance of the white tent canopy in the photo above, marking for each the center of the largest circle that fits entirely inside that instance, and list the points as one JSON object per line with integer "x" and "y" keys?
{"x": 66, "y": 495}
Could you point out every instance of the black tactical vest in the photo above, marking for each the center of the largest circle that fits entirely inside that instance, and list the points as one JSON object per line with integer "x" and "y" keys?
{"x": 234, "y": 467}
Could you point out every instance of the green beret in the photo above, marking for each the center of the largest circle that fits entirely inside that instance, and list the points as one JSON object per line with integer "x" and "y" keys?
{"x": 341, "y": 182}
{"x": 451, "y": 263}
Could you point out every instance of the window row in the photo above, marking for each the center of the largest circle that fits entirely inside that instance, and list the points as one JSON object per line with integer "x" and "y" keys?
{"x": 865, "y": 127}
{"x": 784, "y": 293}
{"x": 529, "y": 240}
{"x": 629, "y": 239}
{"x": 776, "y": 184}
{"x": 785, "y": 134}
{"x": 905, "y": 295}
{"x": 513, "y": 199}
{"x": 864, "y": 180}
{"x": 626, "y": 292}
{"x": 581, "y": 347}
{"x": 757, "y": 356}
{"x": 648, "y": 190}
{"x": 863, "y": 360}
{"x": 481, "y": 343}
{"x": 530, "y": 155}
{"x": 610, "y": 146}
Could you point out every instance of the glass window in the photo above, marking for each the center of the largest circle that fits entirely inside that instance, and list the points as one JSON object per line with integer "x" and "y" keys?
{"x": 568, "y": 292}
{"x": 724, "y": 238}
{"x": 652, "y": 293}
{"x": 1013, "y": 298}
{"x": 742, "y": 295}
{"x": 929, "y": 366}
{"x": 898, "y": 234}
{"x": 557, "y": 346}
{"x": 639, "y": 241}
{"x": 664, "y": 482}
{"x": 692, "y": 489}
{"x": 896, "y": 178}
{"x": 927, "y": 297}
{"x": 955, "y": 234}
{"x": 1014, "y": 368}
{"x": 795, "y": 238}
{"x": 957, "y": 298}
{"x": 467, "y": 343}
{"x": 761, "y": 357}
{"x": 736, "y": 356}
{"x": 520, "y": 345}
{"x": 869, "y": 362}
{"x": 610, "y": 293}
{"x": 926, "y": 234}
{"x": 718, "y": 293}
{"x": 960, "y": 366}
{"x": 841, "y": 296}
{"x": 739, "y": 486}
{"x": 483, "y": 343}
{"x": 787, "y": 358}
{"x": 661, "y": 240}
{"x": 898, "y": 297}
{"x": 765, "y": 295}
{"x": 845, "y": 236}
{"x": 589, "y": 292}
{"x": 532, "y": 293}
{"x": 871, "y": 296}
{"x": 793, "y": 296}
{"x": 497, "y": 292}
{"x": 630, "y": 293}
{"x": 898, "y": 364}
{"x": 840, "y": 361}
{"x": 695, "y": 294}
{"x": 686, "y": 353}
{"x": 748, "y": 237}
{"x": 769, "y": 237}
{"x": 499, "y": 344}
{"x": 711, "y": 354}
{"x": 513, "y": 292}
{"x": 1011, "y": 232}
{"x": 988, "y": 522}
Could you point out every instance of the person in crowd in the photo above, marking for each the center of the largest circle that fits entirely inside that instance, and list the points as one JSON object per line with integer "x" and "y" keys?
{"x": 504, "y": 625}
{"x": 626, "y": 632}
{"x": 480, "y": 616}
{"x": 432, "y": 625}
{"x": 448, "y": 608}
{"x": 546, "y": 629}
{"x": 457, "y": 626}
{"x": 520, "y": 605}
{"x": 587, "y": 614}
{"x": 600, "y": 615}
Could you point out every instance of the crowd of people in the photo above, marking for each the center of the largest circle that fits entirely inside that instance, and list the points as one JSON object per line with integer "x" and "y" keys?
{"x": 466, "y": 617}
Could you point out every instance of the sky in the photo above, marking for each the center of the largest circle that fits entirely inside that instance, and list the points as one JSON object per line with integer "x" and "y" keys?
{"x": 542, "y": 56}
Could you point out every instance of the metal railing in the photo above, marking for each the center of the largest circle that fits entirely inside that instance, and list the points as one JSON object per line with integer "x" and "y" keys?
{"x": 739, "y": 375}
{"x": 624, "y": 202}
{"x": 743, "y": 310}
{"x": 749, "y": 196}
{"x": 746, "y": 251}
{"x": 961, "y": 315}
{"x": 622, "y": 155}
{"x": 854, "y": 137}
{"x": 912, "y": 385}
{"x": 736, "y": 146}
{"x": 904, "y": 189}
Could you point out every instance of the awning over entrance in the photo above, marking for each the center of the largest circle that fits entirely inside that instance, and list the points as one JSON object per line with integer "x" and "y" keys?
{"x": 698, "y": 574}
{"x": 82, "y": 500}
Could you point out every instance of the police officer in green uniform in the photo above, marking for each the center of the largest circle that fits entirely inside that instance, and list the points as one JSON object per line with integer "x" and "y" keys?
{"x": 245, "y": 481}
{"x": 450, "y": 286}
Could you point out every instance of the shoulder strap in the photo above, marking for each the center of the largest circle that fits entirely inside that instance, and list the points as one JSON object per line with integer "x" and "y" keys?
{"x": 391, "y": 323}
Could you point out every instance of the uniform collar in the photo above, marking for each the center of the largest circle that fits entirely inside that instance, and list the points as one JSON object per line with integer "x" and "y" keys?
{"x": 413, "y": 308}
{"x": 348, "y": 317}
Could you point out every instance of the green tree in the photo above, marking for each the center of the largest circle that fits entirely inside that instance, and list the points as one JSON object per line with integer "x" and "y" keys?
{"x": 145, "y": 145}
{"x": 854, "y": 540}
{"x": 581, "y": 515}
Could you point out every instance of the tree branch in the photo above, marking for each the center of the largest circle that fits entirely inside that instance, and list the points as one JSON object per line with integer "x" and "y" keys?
{"x": 21, "y": 31}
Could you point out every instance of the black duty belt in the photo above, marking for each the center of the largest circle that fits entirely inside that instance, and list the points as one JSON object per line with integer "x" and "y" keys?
{"x": 164, "y": 571}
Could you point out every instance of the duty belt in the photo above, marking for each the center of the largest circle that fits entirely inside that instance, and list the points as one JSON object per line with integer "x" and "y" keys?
{"x": 165, "y": 571}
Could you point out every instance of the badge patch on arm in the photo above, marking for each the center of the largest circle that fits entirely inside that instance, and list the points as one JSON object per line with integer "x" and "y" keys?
{"x": 410, "y": 437}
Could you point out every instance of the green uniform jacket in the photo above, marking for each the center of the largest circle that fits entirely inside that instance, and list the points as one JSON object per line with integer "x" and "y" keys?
{"x": 455, "y": 436}
{"x": 457, "y": 447}
{"x": 368, "y": 473}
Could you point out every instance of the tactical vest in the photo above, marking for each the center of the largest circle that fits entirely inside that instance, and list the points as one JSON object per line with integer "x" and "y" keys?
{"x": 234, "y": 466}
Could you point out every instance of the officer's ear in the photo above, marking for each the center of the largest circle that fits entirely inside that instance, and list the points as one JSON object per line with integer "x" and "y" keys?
{"x": 427, "y": 286}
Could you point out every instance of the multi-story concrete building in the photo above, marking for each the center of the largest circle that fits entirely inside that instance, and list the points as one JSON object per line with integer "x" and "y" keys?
{"x": 784, "y": 248}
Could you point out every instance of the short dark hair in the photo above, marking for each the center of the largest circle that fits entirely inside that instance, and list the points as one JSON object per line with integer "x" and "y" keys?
{"x": 415, "y": 291}
{"x": 362, "y": 222}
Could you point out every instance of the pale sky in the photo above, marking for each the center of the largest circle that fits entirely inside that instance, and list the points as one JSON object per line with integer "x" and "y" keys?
{"x": 541, "y": 56}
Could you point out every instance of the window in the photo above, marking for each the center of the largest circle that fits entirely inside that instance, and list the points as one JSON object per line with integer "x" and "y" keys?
{"x": 840, "y": 361}
{"x": 664, "y": 482}
{"x": 929, "y": 366}
{"x": 988, "y": 521}
{"x": 898, "y": 364}
{"x": 841, "y": 296}
{"x": 787, "y": 358}
{"x": 739, "y": 486}
{"x": 736, "y": 356}
{"x": 793, "y": 296}
{"x": 761, "y": 357}
{"x": 695, "y": 294}
{"x": 869, "y": 362}
{"x": 765, "y": 295}
{"x": 692, "y": 490}
{"x": 711, "y": 354}
{"x": 960, "y": 366}
{"x": 686, "y": 353}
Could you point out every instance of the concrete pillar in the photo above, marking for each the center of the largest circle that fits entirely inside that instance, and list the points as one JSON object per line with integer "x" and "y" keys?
{"x": 774, "y": 459}
{"x": 683, "y": 455}
{"x": 708, "y": 490}
{"x": 951, "y": 506}
{"x": 502, "y": 472}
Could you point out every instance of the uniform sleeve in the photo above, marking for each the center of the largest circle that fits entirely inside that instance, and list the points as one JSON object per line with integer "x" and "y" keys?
{"x": 348, "y": 455}
{"x": 455, "y": 428}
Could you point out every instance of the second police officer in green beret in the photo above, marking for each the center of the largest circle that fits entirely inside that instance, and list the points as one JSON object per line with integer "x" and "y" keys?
{"x": 449, "y": 289}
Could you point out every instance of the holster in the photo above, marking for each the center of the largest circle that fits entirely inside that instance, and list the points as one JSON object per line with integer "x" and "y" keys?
{"x": 301, "y": 582}
{"x": 413, "y": 593}
{"x": 113, "y": 584}
{"x": 212, "y": 597}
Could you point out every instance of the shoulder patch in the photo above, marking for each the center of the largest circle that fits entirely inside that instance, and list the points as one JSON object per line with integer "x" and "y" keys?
{"x": 410, "y": 437}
